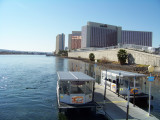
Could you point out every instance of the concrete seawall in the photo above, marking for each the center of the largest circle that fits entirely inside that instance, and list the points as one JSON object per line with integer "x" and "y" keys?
{"x": 111, "y": 54}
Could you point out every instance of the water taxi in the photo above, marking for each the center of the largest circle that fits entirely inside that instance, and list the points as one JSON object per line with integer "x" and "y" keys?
{"x": 75, "y": 90}
{"x": 119, "y": 81}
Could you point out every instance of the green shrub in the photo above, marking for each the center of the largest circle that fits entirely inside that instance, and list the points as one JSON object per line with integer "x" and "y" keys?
{"x": 91, "y": 56}
{"x": 63, "y": 53}
{"x": 98, "y": 60}
{"x": 122, "y": 56}
{"x": 104, "y": 60}
{"x": 141, "y": 65}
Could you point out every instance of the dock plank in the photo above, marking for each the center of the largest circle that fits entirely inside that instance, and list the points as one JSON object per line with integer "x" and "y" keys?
{"x": 115, "y": 107}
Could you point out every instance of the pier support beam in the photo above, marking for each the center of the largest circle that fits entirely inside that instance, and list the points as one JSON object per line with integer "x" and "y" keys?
{"x": 128, "y": 100}
{"x": 149, "y": 109}
{"x": 105, "y": 87}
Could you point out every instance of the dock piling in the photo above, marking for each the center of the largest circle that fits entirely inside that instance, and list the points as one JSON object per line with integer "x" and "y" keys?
{"x": 105, "y": 87}
{"x": 128, "y": 101}
{"x": 149, "y": 109}
{"x": 134, "y": 91}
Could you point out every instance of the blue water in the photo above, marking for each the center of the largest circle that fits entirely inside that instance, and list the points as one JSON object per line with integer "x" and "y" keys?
{"x": 28, "y": 86}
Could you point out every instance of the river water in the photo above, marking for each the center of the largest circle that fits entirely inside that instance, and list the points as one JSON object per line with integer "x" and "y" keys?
{"x": 28, "y": 86}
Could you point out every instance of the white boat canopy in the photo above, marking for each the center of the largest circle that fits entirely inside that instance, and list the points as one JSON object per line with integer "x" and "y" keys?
{"x": 73, "y": 76}
{"x": 113, "y": 74}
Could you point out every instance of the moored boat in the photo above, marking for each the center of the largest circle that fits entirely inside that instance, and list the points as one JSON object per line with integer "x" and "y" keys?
{"x": 75, "y": 90}
{"x": 119, "y": 82}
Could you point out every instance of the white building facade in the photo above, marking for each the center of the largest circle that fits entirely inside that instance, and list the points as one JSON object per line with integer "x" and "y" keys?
{"x": 60, "y": 42}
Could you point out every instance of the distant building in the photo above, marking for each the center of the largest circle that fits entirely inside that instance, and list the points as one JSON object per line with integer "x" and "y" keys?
{"x": 104, "y": 35}
{"x": 66, "y": 48}
{"x": 100, "y": 35}
{"x": 136, "y": 37}
{"x": 74, "y": 40}
{"x": 69, "y": 41}
{"x": 60, "y": 42}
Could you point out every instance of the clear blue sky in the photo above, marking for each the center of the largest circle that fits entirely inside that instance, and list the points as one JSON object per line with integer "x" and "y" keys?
{"x": 32, "y": 25}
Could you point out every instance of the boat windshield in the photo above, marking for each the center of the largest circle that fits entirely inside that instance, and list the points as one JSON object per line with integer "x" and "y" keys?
{"x": 124, "y": 83}
{"x": 64, "y": 87}
{"x": 89, "y": 87}
{"x": 132, "y": 84}
{"x": 81, "y": 87}
{"x": 76, "y": 87}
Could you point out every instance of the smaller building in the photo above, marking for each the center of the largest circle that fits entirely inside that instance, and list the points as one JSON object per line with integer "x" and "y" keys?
{"x": 60, "y": 42}
{"x": 69, "y": 41}
{"x": 74, "y": 40}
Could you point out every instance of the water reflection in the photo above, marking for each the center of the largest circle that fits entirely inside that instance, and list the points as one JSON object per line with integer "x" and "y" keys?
{"x": 61, "y": 64}
{"x": 89, "y": 69}
{"x": 95, "y": 71}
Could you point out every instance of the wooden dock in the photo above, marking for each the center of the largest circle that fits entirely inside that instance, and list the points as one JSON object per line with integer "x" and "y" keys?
{"x": 115, "y": 107}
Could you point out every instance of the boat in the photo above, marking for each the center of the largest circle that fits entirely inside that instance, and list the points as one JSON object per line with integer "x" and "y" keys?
{"x": 75, "y": 90}
{"x": 120, "y": 82}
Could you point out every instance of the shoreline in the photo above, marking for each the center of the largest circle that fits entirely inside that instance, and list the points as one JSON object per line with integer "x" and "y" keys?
{"x": 116, "y": 66}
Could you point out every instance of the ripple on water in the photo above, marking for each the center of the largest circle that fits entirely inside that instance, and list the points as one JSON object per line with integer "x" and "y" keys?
{"x": 27, "y": 88}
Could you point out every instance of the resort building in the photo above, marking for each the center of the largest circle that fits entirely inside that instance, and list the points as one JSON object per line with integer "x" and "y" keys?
{"x": 136, "y": 37}
{"x": 74, "y": 40}
{"x": 104, "y": 35}
{"x": 60, "y": 42}
{"x": 69, "y": 41}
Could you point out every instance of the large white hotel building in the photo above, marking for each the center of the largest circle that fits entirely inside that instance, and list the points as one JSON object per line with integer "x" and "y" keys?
{"x": 104, "y": 35}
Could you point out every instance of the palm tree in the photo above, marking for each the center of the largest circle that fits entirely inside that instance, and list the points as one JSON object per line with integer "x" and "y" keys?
{"x": 122, "y": 56}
